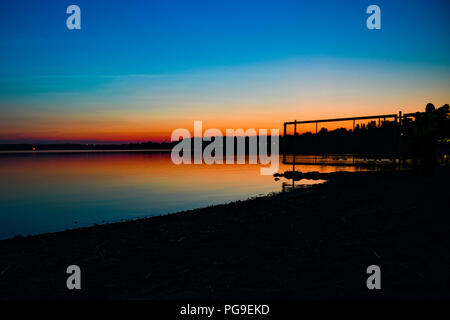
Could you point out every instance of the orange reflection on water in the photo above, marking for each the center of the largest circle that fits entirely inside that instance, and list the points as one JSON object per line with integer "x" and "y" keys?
{"x": 43, "y": 192}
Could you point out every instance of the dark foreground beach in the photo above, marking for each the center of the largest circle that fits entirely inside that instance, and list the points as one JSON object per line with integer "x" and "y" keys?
{"x": 313, "y": 243}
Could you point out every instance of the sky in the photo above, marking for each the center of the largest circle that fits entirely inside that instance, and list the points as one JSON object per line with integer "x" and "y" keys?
{"x": 137, "y": 70}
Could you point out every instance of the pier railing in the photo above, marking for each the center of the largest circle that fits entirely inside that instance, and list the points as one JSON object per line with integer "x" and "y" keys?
{"x": 396, "y": 118}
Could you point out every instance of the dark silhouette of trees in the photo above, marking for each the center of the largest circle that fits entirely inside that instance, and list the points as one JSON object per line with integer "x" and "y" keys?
{"x": 369, "y": 139}
{"x": 413, "y": 137}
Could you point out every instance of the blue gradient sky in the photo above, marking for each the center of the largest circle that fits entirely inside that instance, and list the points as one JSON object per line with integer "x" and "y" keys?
{"x": 139, "y": 69}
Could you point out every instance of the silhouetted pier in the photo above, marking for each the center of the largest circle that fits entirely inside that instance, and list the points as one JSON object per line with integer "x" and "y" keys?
{"x": 391, "y": 144}
{"x": 395, "y": 118}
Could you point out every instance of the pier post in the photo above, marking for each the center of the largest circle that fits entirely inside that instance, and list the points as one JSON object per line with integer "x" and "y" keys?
{"x": 354, "y": 139}
{"x": 294, "y": 145}
{"x": 315, "y": 148}
{"x": 284, "y": 143}
{"x": 399, "y": 138}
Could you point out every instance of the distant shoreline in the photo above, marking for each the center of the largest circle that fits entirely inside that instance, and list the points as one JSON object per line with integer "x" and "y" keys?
{"x": 32, "y": 147}
{"x": 81, "y": 151}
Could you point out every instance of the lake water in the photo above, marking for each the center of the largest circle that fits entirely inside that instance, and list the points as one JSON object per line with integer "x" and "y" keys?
{"x": 53, "y": 191}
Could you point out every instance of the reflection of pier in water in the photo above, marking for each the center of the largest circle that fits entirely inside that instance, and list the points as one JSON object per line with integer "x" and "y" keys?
{"x": 367, "y": 160}
{"x": 290, "y": 185}
{"x": 391, "y": 152}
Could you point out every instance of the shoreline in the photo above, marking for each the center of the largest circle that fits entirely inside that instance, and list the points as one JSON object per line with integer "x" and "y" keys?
{"x": 310, "y": 243}
{"x": 13, "y": 152}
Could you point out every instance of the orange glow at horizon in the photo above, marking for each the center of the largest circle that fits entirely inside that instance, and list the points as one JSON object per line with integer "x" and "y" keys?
{"x": 145, "y": 126}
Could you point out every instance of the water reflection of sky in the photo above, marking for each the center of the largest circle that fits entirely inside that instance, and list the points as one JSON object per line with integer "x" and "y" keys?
{"x": 52, "y": 192}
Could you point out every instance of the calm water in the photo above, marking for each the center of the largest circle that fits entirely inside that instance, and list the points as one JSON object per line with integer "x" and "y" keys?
{"x": 47, "y": 192}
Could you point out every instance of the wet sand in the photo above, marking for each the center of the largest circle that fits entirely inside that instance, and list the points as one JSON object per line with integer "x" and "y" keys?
{"x": 312, "y": 243}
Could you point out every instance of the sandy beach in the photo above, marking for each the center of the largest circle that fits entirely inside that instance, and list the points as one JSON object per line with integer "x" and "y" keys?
{"x": 310, "y": 243}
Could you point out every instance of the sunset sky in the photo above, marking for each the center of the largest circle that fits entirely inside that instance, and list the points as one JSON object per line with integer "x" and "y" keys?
{"x": 137, "y": 70}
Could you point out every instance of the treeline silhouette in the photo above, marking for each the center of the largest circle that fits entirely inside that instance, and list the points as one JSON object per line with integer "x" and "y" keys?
{"x": 75, "y": 146}
{"x": 387, "y": 139}
{"x": 128, "y": 146}
{"x": 369, "y": 139}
